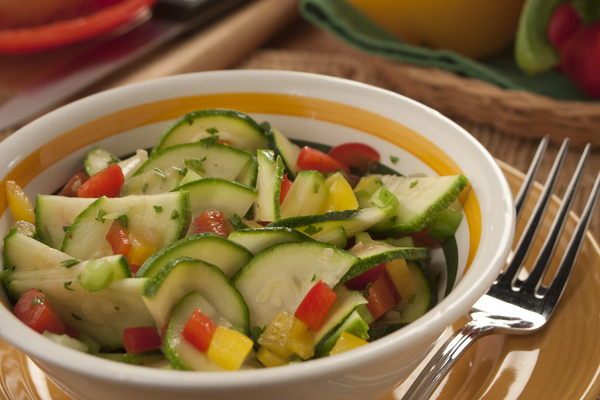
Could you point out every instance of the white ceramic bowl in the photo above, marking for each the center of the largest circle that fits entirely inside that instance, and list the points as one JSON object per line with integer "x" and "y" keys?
{"x": 42, "y": 155}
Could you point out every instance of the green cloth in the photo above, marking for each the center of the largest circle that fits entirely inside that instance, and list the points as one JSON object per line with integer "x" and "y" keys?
{"x": 343, "y": 20}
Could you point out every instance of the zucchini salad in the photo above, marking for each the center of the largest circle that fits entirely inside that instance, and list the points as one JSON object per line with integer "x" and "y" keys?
{"x": 228, "y": 246}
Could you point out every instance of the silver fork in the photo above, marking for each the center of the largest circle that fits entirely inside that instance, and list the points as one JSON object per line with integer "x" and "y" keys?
{"x": 516, "y": 305}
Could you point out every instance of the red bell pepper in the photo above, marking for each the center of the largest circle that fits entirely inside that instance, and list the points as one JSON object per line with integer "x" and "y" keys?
{"x": 356, "y": 155}
{"x": 212, "y": 221}
{"x": 315, "y": 305}
{"x": 141, "y": 338}
{"x": 313, "y": 159}
{"x": 361, "y": 281}
{"x": 70, "y": 189}
{"x": 199, "y": 330}
{"x": 564, "y": 23}
{"x": 107, "y": 182}
{"x": 118, "y": 239}
{"x": 581, "y": 59}
{"x": 422, "y": 239}
{"x": 380, "y": 298}
{"x": 35, "y": 311}
{"x": 286, "y": 184}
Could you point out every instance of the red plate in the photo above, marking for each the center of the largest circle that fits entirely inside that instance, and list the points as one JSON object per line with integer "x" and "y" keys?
{"x": 29, "y": 40}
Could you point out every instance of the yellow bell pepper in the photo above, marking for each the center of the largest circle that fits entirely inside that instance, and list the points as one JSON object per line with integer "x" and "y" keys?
{"x": 347, "y": 341}
{"x": 20, "y": 205}
{"x": 229, "y": 348}
{"x": 474, "y": 28}
{"x": 341, "y": 196}
{"x": 269, "y": 358}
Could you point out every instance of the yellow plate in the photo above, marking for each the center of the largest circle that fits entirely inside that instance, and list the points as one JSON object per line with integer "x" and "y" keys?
{"x": 560, "y": 362}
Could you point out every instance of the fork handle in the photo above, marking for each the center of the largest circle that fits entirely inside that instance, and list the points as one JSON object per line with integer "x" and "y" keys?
{"x": 445, "y": 358}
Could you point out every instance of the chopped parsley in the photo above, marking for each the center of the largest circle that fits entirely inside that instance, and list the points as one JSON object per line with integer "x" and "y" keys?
{"x": 38, "y": 300}
{"x": 158, "y": 209}
{"x": 69, "y": 263}
{"x": 311, "y": 230}
{"x": 65, "y": 228}
{"x": 77, "y": 317}
{"x": 175, "y": 214}
{"x": 212, "y": 131}
{"x": 195, "y": 164}
{"x": 124, "y": 221}
{"x": 414, "y": 183}
{"x": 113, "y": 160}
{"x": 145, "y": 188}
{"x": 314, "y": 277}
{"x": 101, "y": 214}
{"x": 394, "y": 159}
{"x": 160, "y": 173}
{"x": 67, "y": 286}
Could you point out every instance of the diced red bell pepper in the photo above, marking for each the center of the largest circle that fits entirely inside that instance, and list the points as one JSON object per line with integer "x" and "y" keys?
{"x": 118, "y": 239}
{"x": 141, "y": 338}
{"x": 356, "y": 155}
{"x": 315, "y": 305}
{"x": 286, "y": 184}
{"x": 361, "y": 281}
{"x": 35, "y": 311}
{"x": 71, "y": 332}
{"x": 212, "y": 221}
{"x": 313, "y": 159}
{"x": 422, "y": 239}
{"x": 380, "y": 298}
{"x": 70, "y": 189}
{"x": 107, "y": 182}
{"x": 199, "y": 330}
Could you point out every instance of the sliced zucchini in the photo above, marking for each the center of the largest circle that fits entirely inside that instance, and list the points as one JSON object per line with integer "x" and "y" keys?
{"x": 54, "y": 215}
{"x": 354, "y": 325}
{"x": 256, "y": 240}
{"x": 185, "y": 275}
{"x": 306, "y": 196}
{"x": 278, "y": 278}
{"x": 161, "y": 218}
{"x": 182, "y": 354}
{"x": 270, "y": 175}
{"x": 346, "y": 303}
{"x": 249, "y": 174}
{"x": 284, "y": 148}
{"x": 166, "y": 168}
{"x": 234, "y": 127}
{"x": 99, "y": 158}
{"x": 214, "y": 249}
{"x": 211, "y": 194}
{"x": 421, "y": 200}
{"x": 336, "y": 226}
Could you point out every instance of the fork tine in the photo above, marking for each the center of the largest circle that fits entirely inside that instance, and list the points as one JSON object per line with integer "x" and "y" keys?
{"x": 543, "y": 260}
{"x": 557, "y": 287}
{"x": 525, "y": 188}
{"x": 525, "y": 242}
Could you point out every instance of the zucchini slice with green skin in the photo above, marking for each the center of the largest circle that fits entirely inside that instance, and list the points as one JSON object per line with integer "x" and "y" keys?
{"x": 210, "y": 194}
{"x": 234, "y": 127}
{"x": 214, "y": 249}
{"x": 306, "y": 195}
{"x": 166, "y": 168}
{"x": 409, "y": 309}
{"x": 185, "y": 275}
{"x": 354, "y": 325}
{"x": 279, "y": 277}
{"x": 374, "y": 252}
{"x": 54, "y": 215}
{"x": 421, "y": 200}
{"x": 182, "y": 354}
{"x": 284, "y": 148}
{"x": 270, "y": 175}
{"x": 336, "y": 226}
{"x": 256, "y": 240}
{"x": 161, "y": 218}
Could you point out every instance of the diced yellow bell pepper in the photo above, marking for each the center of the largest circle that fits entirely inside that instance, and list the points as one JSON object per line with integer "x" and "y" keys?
{"x": 347, "y": 341}
{"x": 229, "y": 348}
{"x": 401, "y": 278}
{"x": 303, "y": 344}
{"x": 24, "y": 228}
{"x": 20, "y": 205}
{"x": 277, "y": 334}
{"x": 269, "y": 358}
{"x": 341, "y": 196}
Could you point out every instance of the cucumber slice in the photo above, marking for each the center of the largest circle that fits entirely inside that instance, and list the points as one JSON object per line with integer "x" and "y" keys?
{"x": 284, "y": 148}
{"x": 213, "y": 249}
{"x": 166, "y": 168}
{"x": 421, "y": 200}
{"x": 346, "y": 303}
{"x": 374, "y": 252}
{"x": 54, "y": 215}
{"x": 270, "y": 175}
{"x": 68, "y": 341}
{"x": 354, "y": 325}
{"x": 278, "y": 278}
{"x": 234, "y": 127}
{"x": 411, "y": 307}
{"x": 162, "y": 219}
{"x": 249, "y": 174}
{"x": 256, "y": 240}
{"x": 336, "y": 226}
{"x": 306, "y": 196}
{"x": 182, "y": 354}
{"x": 185, "y": 275}
{"x": 99, "y": 158}
{"x": 218, "y": 194}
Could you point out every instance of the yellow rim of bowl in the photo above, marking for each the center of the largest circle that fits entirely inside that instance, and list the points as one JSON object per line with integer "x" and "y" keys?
{"x": 291, "y": 105}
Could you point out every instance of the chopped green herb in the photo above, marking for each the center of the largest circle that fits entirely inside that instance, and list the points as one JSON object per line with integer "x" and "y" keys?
{"x": 317, "y": 187}
{"x": 314, "y": 277}
{"x": 195, "y": 164}
{"x": 311, "y": 230}
{"x": 77, "y": 317}
{"x": 212, "y": 131}
{"x": 160, "y": 173}
{"x": 67, "y": 286}
{"x": 145, "y": 188}
{"x": 414, "y": 183}
{"x": 209, "y": 140}
{"x": 393, "y": 219}
{"x": 37, "y": 300}
{"x": 158, "y": 209}
{"x": 124, "y": 221}
{"x": 175, "y": 214}
{"x": 69, "y": 263}
{"x": 116, "y": 308}
{"x": 394, "y": 159}
{"x": 113, "y": 160}
{"x": 65, "y": 228}
{"x": 101, "y": 214}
